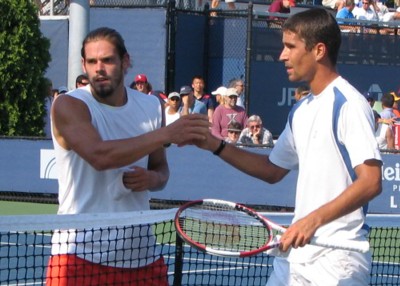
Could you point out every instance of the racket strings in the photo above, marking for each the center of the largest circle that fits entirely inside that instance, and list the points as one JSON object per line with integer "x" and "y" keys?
{"x": 222, "y": 229}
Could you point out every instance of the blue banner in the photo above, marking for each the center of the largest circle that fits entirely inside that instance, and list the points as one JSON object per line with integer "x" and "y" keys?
{"x": 29, "y": 166}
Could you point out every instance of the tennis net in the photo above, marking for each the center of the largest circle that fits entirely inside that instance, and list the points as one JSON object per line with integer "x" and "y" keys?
{"x": 26, "y": 247}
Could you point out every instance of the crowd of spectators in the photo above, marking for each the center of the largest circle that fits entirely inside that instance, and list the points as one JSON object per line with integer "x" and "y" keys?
{"x": 374, "y": 11}
{"x": 228, "y": 119}
{"x": 224, "y": 106}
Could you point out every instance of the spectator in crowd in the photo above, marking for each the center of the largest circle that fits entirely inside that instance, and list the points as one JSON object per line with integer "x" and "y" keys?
{"x": 142, "y": 84}
{"x": 219, "y": 94}
{"x": 366, "y": 11}
{"x": 81, "y": 80}
{"x": 370, "y": 98}
{"x": 280, "y": 6}
{"x": 226, "y": 114}
{"x": 189, "y": 103}
{"x": 161, "y": 97}
{"x": 54, "y": 92}
{"x": 301, "y": 91}
{"x": 108, "y": 143}
{"x": 330, "y": 141}
{"x": 62, "y": 89}
{"x": 396, "y": 104}
{"x": 215, "y": 3}
{"x": 384, "y": 134}
{"x": 372, "y": 102}
{"x": 198, "y": 92}
{"x": 347, "y": 11}
{"x": 238, "y": 84}
{"x": 234, "y": 129}
{"x": 172, "y": 109}
{"x": 333, "y": 4}
{"x": 255, "y": 133}
{"x": 387, "y": 106}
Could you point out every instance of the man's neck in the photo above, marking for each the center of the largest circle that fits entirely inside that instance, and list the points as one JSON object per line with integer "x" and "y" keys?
{"x": 198, "y": 95}
{"x": 118, "y": 98}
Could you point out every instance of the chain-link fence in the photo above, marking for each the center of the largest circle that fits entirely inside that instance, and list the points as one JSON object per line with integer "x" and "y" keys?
{"x": 221, "y": 45}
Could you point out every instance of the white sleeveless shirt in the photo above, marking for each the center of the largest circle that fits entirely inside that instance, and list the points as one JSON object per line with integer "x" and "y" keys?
{"x": 83, "y": 189}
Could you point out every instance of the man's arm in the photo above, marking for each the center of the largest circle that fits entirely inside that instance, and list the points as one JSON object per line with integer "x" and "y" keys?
{"x": 73, "y": 130}
{"x": 153, "y": 178}
{"x": 253, "y": 164}
{"x": 185, "y": 105}
{"x": 367, "y": 186}
{"x": 210, "y": 113}
{"x": 390, "y": 138}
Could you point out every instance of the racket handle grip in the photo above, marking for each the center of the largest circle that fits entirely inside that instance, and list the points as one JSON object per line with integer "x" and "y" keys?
{"x": 359, "y": 246}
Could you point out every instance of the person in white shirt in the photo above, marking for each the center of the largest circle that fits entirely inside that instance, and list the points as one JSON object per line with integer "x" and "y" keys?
{"x": 384, "y": 134}
{"x": 329, "y": 138}
{"x": 172, "y": 109}
{"x": 366, "y": 11}
{"x": 109, "y": 146}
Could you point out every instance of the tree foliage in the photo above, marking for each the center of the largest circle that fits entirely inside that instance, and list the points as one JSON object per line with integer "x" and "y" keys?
{"x": 24, "y": 54}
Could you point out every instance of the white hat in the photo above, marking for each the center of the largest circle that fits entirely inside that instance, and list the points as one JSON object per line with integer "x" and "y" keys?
{"x": 220, "y": 90}
{"x": 174, "y": 94}
{"x": 231, "y": 91}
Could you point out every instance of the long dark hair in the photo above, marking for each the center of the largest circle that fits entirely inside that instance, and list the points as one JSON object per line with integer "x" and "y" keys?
{"x": 108, "y": 34}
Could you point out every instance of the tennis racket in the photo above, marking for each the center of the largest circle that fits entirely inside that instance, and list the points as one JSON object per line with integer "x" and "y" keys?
{"x": 229, "y": 229}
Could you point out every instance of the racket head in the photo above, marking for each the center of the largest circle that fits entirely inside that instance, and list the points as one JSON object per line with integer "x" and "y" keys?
{"x": 223, "y": 228}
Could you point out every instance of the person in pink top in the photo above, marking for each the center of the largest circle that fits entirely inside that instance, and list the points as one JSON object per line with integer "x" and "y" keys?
{"x": 227, "y": 113}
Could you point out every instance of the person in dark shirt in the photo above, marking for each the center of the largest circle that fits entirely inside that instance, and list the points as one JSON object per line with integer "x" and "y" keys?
{"x": 280, "y": 6}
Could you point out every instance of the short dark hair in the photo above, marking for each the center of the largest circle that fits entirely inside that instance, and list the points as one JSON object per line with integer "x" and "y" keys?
{"x": 197, "y": 77}
{"x": 387, "y": 100}
{"x": 316, "y": 26}
{"x": 81, "y": 77}
{"x": 108, "y": 34}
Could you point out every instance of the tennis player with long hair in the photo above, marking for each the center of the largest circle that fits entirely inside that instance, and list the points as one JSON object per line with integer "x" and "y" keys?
{"x": 109, "y": 149}
{"x": 329, "y": 138}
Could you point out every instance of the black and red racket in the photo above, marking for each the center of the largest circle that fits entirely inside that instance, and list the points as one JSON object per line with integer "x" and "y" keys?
{"x": 229, "y": 229}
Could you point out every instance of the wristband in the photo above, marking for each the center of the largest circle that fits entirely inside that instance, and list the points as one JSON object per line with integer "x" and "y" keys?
{"x": 220, "y": 148}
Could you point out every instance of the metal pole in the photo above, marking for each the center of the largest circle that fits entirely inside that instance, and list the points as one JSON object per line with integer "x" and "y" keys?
{"x": 79, "y": 18}
{"x": 248, "y": 56}
{"x": 206, "y": 42}
{"x": 171, "y": 51}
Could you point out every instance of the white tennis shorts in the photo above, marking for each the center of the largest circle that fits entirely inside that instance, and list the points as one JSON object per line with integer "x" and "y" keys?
{"x": 335, "y": 268}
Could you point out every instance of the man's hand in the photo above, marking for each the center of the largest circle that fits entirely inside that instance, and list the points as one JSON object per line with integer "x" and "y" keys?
{"x": 189, "y": 129}
{"x": 138, "y": 179}
{"x": 299, "y": 234}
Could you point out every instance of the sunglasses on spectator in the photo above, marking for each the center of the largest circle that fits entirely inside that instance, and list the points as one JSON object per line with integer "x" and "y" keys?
{"x": 254, "y": 126}
{"x": 235, "y": 132}
{"x": 174, "y": 98}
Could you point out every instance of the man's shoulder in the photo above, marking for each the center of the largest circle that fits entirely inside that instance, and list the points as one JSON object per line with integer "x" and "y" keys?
{"x": 82, "y": 94}
{"x": 137, "y": 95}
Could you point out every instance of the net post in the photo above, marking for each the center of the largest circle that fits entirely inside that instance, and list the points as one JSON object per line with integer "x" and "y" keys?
{"x": 178, "y": 267}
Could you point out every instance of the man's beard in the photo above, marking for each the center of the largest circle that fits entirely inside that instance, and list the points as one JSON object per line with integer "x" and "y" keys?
{"x": 105, "y": 91}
